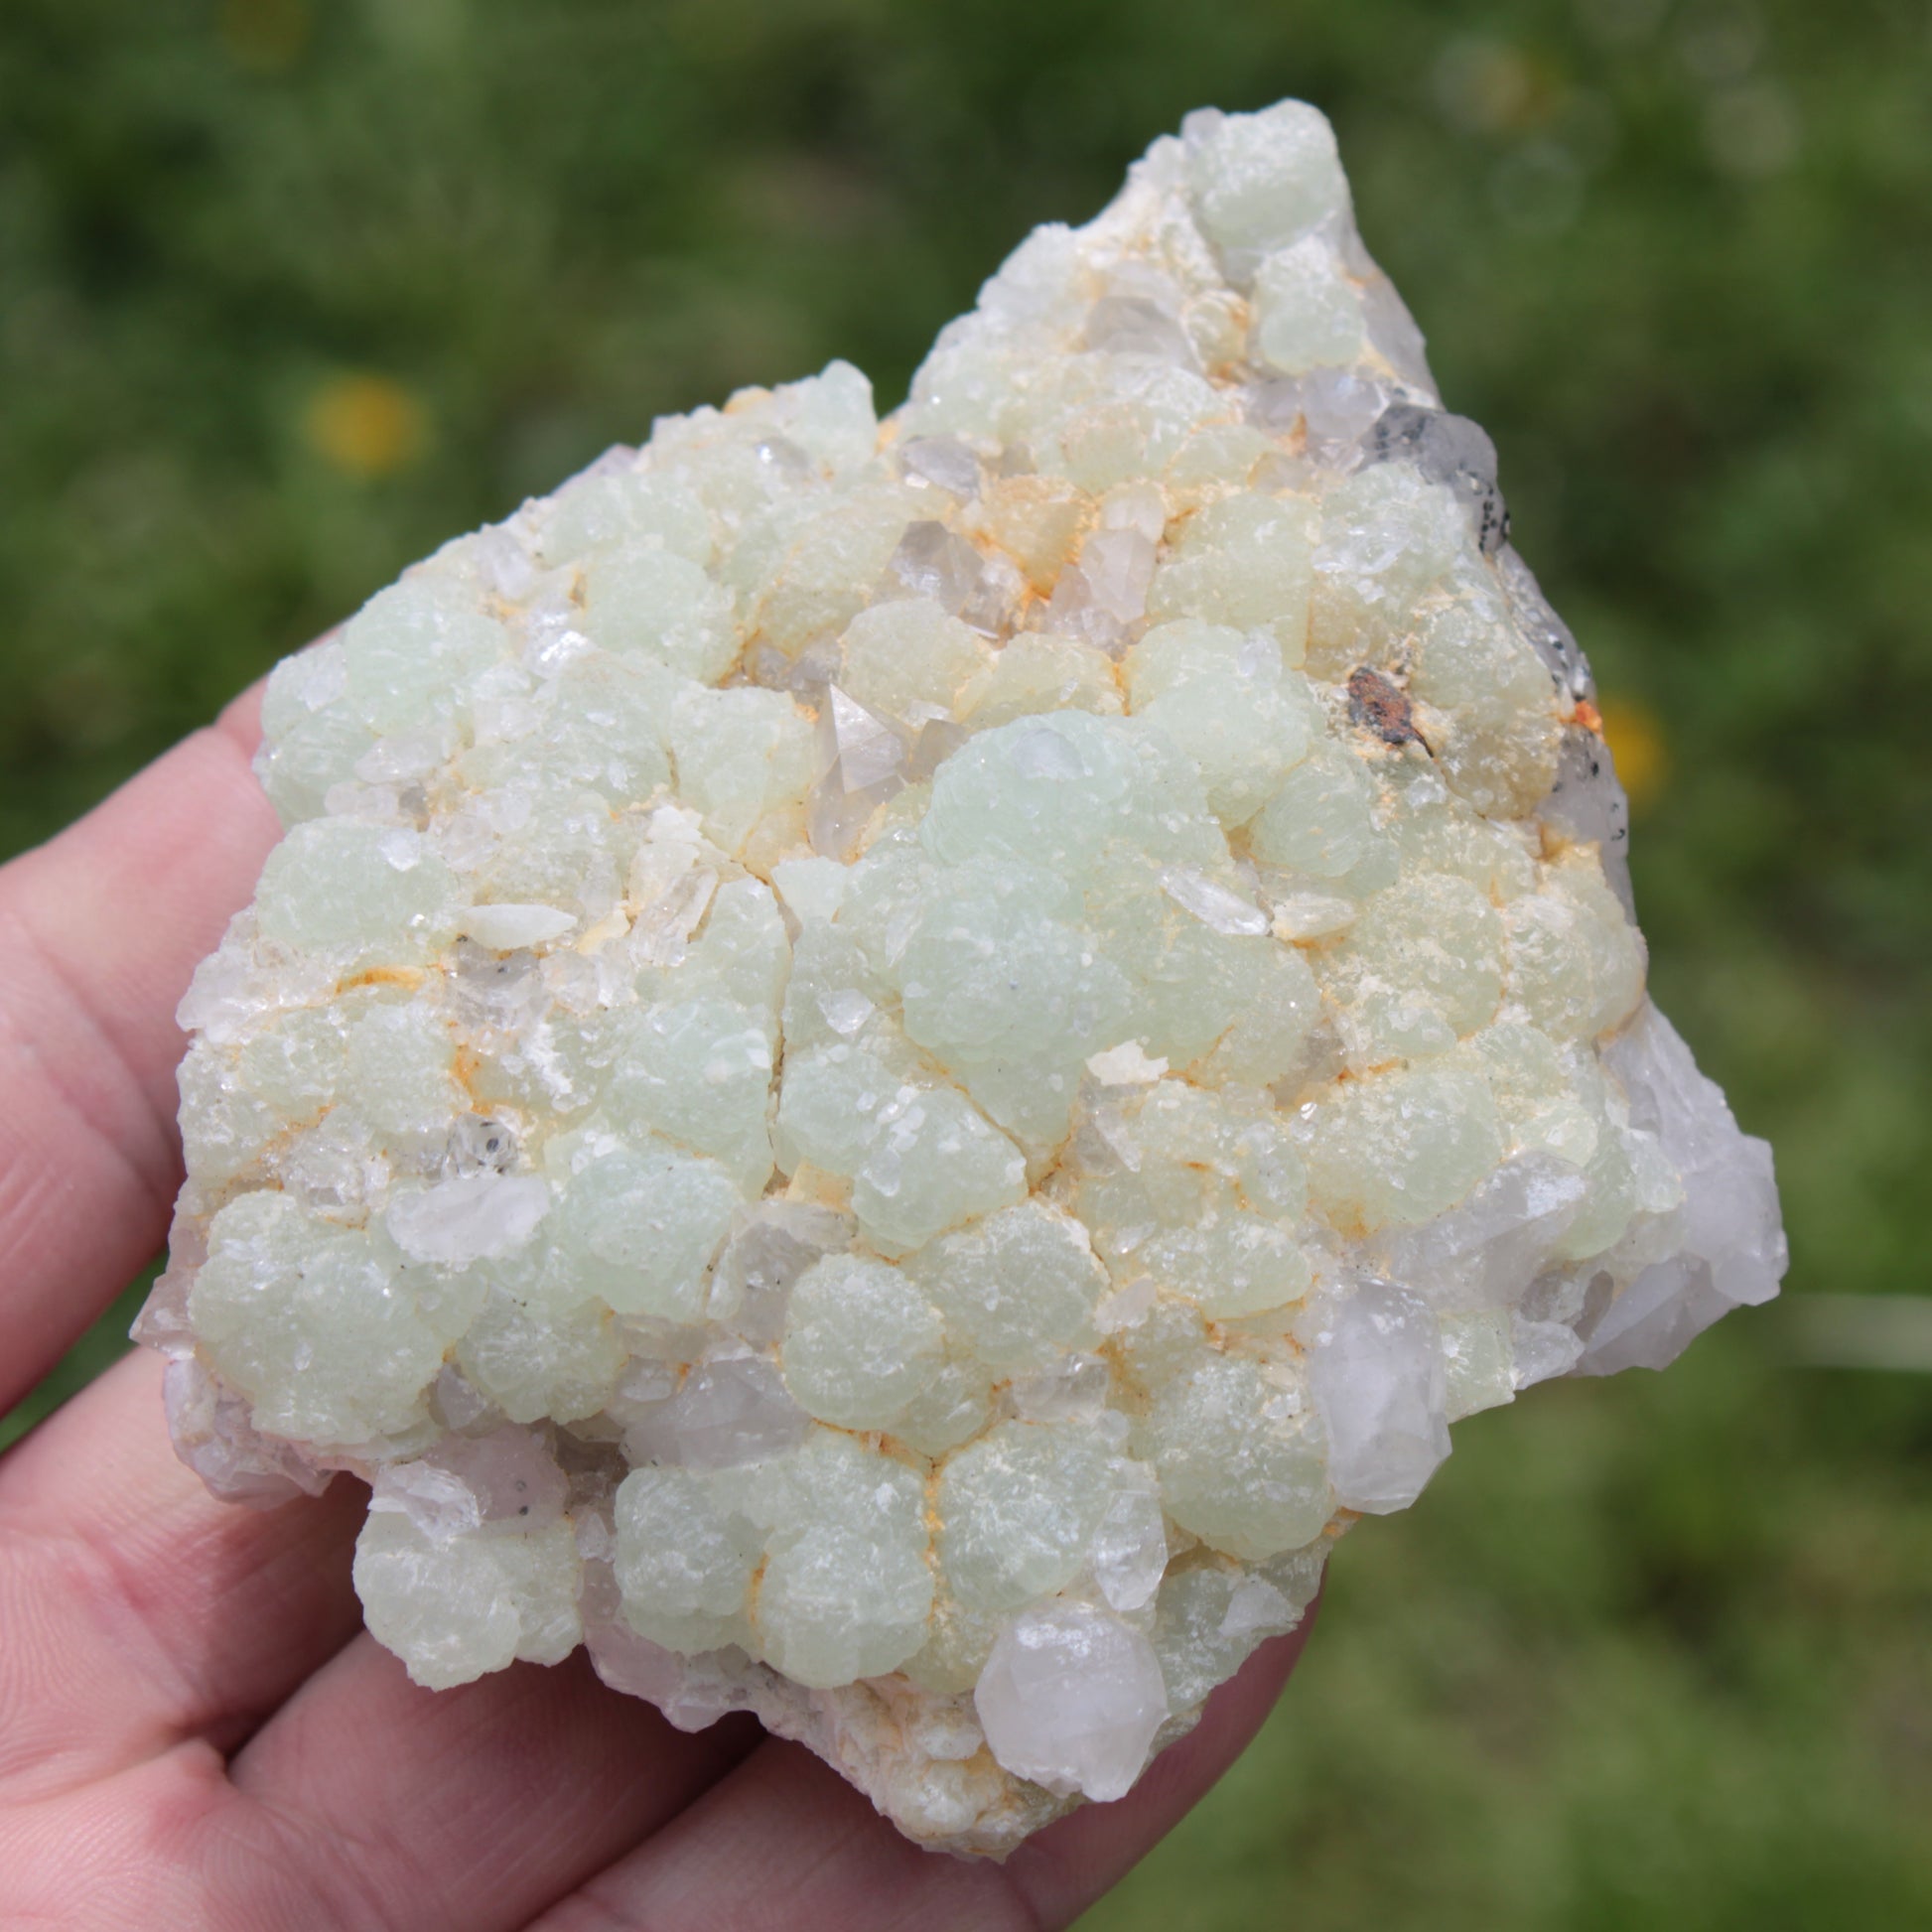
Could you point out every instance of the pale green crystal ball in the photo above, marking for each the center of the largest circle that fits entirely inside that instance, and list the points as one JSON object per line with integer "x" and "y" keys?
{"x": 890, "y": 1067}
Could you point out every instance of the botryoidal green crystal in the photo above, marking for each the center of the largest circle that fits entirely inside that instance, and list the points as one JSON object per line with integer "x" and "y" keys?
{"x": 888, "y": 1068}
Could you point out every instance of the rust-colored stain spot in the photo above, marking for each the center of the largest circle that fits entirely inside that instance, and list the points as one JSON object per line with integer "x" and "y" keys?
{"x": 1381, "y": 707}
{"x": 1589, "y": 717}
{"x": 406, "y": 976}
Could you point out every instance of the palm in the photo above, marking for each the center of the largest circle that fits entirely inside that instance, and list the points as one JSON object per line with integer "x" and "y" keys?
{"x": 193, "y": 1730}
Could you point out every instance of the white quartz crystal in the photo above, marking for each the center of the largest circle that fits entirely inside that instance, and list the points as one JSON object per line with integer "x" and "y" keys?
{"x": 890, "y": 1067}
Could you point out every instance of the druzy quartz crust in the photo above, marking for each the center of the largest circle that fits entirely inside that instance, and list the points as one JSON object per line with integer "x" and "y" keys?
{"x": 887, "y": 1068}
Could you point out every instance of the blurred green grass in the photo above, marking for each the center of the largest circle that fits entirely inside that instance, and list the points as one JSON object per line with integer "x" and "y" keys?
{"x": 289, "y": 293}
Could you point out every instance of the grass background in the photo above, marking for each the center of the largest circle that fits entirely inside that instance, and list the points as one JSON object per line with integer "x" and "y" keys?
{"x": 290, "y": 291}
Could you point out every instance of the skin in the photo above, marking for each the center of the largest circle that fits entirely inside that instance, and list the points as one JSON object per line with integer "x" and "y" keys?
{"x": 194, "y": 1730}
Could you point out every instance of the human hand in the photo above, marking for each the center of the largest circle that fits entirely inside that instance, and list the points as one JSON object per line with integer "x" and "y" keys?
{"x": 195, "y": 1730}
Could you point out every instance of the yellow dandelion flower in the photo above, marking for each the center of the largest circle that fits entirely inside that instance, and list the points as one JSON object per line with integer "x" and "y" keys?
{"x": 268, "y": 36}
{"x": 1635, "y": 737}
{"x": 365, "y": 426}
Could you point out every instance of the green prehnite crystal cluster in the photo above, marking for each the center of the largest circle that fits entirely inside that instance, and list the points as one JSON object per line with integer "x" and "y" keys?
{"x": 890, "y": 1067}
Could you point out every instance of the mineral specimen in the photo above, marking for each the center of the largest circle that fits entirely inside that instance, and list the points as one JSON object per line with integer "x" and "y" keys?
{"x": 890, "y": 1068}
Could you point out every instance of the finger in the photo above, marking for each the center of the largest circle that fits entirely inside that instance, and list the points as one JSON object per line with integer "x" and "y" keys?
{"x": 100, "y": 932}
{"x": 478, "y": 1807}
{"x": 784, "y": 1843}
{"x": 137, "y": 1609}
